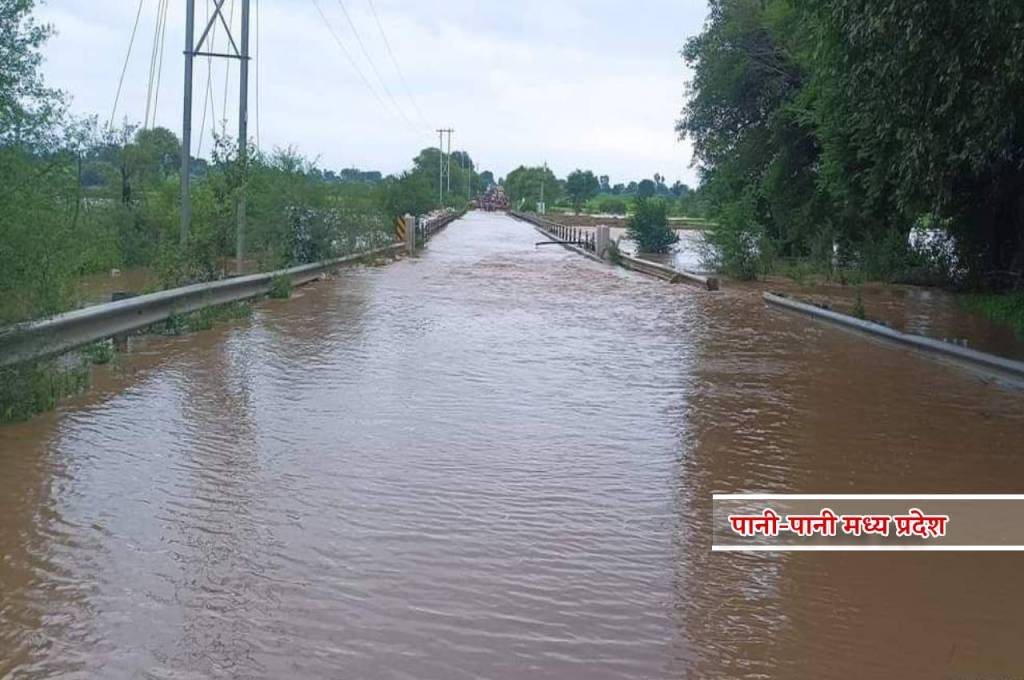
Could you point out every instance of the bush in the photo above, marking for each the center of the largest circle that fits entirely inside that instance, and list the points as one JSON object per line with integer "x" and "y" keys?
{"x": 738, "y": 245}
{"x": 611, "y": 205}
{"x": 858, "y": 306}
{"x": 99, "y": 353}
{"x": 36, "y": 387}
{"x": 1007, "y": 308}
{"x": 202, "y": 319}
{"x": 648, "y": 226}
{"x": 280, "y": 287}
{"x": 614, "y": 253}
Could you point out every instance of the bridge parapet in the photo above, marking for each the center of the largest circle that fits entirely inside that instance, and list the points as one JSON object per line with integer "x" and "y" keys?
{"x": 595, "y": 246}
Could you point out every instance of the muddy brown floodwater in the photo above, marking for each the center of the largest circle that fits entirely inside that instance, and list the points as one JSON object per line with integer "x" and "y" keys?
{"x": 497, "y": 461}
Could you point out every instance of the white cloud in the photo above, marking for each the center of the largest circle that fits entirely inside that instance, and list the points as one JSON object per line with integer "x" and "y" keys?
{"x": 576, "y": 83}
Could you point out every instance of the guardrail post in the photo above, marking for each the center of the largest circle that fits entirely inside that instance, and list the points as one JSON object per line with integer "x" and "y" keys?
{"x": 121, "y": 339}
{"x": 410, "y": 233}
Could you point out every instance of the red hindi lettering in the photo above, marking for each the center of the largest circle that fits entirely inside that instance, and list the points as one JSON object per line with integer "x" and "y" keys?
{"x": 851, "y": 524}
{"x": 825, "y": 522}
{"x": 876, "y": 524}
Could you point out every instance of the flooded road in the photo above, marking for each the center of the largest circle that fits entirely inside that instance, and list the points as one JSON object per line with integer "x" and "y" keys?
{"x": 497, "y": 461}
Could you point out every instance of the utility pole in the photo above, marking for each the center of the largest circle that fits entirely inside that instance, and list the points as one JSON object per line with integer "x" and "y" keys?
{"x": 440, "y": 166}
{"x": 195, "y": 48}
{"x": 543, "y": 176}
{"x": 441, "y": 162}
{"x": 449, "y": 189}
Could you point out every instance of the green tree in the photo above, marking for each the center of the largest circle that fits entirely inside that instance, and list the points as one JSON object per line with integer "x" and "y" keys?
{"x": 830, "y": 129}
{"x": 612, "y": 205}
{"x": 456, "y": 192}
{"x": 758, "y": 155}
{"x": 412, "y": 193}
{"x": 524, "y": 186}
{"x": 35, "y": 181}
{"x": 156, "y": 154}
{"x": 581, "y": 186}
{"x": 916, "y": 108}
{"x": 28, "y": 109}
{"x": 648, "y": 225}
{"x": 646, "y": 189}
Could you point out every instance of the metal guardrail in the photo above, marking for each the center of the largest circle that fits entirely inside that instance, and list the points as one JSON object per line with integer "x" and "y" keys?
{"x": 983, "y": 360}
{"x": 70, "y": 330}
{"x": 432, "y": 227}
{"x": 559, "y": 232}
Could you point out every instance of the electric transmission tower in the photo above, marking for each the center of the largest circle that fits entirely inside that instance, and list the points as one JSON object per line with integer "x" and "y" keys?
{"x": 237, "y": 49}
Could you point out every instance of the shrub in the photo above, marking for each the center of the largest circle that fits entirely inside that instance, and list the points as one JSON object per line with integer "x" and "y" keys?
{"x": 648, "y": 226}
{"x": 280, "y": 287}
{"x": 611, "y": 205}
{"x": 99, "y": 353}
{"x": 1005, "y": 308}
{"x": 202, "y": 319}
{"x": 36, "y": 387}
{"x": 858, "y": 306}
{"x": 737, "y": 245}
{"x": 614, "y": 253}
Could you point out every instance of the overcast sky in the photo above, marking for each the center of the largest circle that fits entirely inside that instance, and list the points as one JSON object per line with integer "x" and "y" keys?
{"x": 576, "y": 83}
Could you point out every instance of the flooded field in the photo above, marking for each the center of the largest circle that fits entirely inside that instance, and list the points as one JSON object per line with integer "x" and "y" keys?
{"x": 913, "y": 309}
{"x": 95, "y": 289}
{"x": 496, "y": 460}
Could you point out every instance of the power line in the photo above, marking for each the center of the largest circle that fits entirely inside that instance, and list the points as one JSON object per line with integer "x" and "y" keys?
{"x": 348, "y": 56}
{"x": 152, "y": 61}
{"x": 208, "y": 99}
{"x": 127, "y": 57}
{"x": 227, "y": 65}
{"x": 391, "y": 54}
{"x": 155, "y": 58}
{"x": 369, "y": 59}
{"x": 160, "y": 63}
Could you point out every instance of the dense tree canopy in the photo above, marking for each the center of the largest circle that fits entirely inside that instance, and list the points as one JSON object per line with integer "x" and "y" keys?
{"x": 844, "y": 124}
{"x": 581, "y": 186}
{"x": 27, "y": 106}
{"x": 524, "y": 185}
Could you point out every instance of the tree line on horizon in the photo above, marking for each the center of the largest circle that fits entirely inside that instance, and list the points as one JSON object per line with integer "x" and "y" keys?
{"x": 527, "y": 185}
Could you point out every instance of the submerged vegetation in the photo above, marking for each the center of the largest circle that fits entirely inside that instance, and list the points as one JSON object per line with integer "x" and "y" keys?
{"x": 203, "y": 319}
{"x": 280, "y": 287}
{"x": 36, "y": 387}
{"x": 1007, "y": 308}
